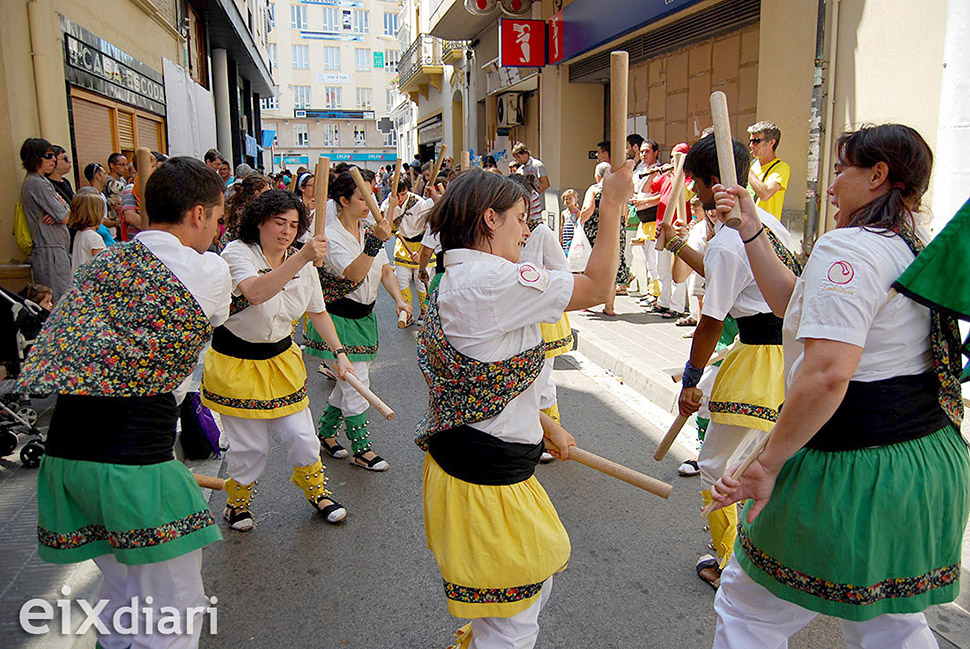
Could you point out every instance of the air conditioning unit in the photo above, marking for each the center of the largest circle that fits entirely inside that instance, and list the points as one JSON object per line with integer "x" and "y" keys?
{"x": 510, "y": 111}
{"x": 299, "y": 113}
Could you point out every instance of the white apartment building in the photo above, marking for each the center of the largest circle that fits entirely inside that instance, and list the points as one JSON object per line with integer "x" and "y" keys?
{"x": 335, "y": 68}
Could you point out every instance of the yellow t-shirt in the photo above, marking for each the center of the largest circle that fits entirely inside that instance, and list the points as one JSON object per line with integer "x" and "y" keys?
{"x": 779, "y": 171}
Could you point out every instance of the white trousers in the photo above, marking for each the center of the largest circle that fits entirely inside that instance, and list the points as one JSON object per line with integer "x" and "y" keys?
{"x": 724, "y": 446}
{"x": 547, "y": 389}
{"x": 672, "y": 296}
{"x": 174, "y": 583}
{"x": 249, "y": 443}
{"x": 638, "y": 264}
{"x": 650, "y": 251}
{"x": 748, "y": 615}
{"x": 628, "y": 248}
{"x": 695, "y": 289}
{"x": 348, "y": 399}
{"x": 517, "y": 632}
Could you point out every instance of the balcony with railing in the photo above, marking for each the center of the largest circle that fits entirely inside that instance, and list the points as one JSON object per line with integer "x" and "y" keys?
{"x": 421, "y": 66}
{"x": 452, "y": 51}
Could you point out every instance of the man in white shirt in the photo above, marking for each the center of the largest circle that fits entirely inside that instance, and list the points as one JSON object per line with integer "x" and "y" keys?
{"x": 530, "y": 166}
{"x": 410, "y": 217}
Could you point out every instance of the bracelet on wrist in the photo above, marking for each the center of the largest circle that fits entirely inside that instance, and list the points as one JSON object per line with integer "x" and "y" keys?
{"x": 340, "y": 351}
{"x": 372, "y": 245}
{"x": 680, "y": 246}
{"x": 756, "y": 235}
{"x": 692, "y": 376}
{"x": 672, "y": 243}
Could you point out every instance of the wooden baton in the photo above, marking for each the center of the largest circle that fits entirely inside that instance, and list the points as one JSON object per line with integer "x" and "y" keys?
{"x": 466, "y": 160}
{"x": 321, "y": 189}
{"x": 396, "y": 178}
{"x": 210, "y": 482}
{"x": 363, "y": 390}
{"x": 672, "y": 434}
{"x": 725, "y": 151}
{"x": 738, "y": 472}
{"x": 402, "y": 320}
{"x": 619, "y": 80}
{"x": 143, "y": 160}
{"x": 368, "y": 193}
{"x": 675, "y": 198}
{"x": 437, "y": 165}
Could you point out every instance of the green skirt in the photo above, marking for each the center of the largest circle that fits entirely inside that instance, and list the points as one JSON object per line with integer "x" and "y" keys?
{"x": 140, "y": 514}
{"x": 857, "y": 534}
{"x": 358, "y": 336}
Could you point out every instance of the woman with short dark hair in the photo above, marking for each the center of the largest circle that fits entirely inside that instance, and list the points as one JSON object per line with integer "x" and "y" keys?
{"x": 46, "y": 212}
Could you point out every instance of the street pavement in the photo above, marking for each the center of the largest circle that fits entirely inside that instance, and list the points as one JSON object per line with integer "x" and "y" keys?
{"x": 371, "y": 582}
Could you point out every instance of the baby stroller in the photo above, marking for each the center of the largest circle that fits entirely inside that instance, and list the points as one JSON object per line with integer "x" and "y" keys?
{"x": 20, "y": 322}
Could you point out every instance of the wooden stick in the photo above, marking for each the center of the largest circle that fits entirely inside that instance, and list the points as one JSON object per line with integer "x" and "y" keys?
{"x": 293, "y": 180}
{"x": 321, "y": 189}
{"x": 437, "y": 165}
{"x": 608, "y": 467}
{"x": 143, "y": 160}
{"x": 368, "y": 193}
{"x": 396, "y": 178}
{"x": 363, "y": 390}
{"x": 737, "y": 473}
{"x": 672, "y": 433}
{"x": 466, "y": 160}
{"x": 725, "y": 151}
{"x": 675, "y": 198}
{"x": 402, "y": 320}
{"x": 715, "y": 358}
{"x": 210, "y": 482}
{"x": 619, "y": 79}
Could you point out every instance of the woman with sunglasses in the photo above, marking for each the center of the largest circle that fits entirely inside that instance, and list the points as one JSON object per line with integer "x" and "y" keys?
{"x": 46, "y": 213}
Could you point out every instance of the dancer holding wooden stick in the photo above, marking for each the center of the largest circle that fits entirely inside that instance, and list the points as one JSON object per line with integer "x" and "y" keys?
{"x": 859, "y": 501}
{"x": 355, "y": 265}
{"x": 490, "y": 525}
{"x": 748, "y": 390}
{"x": 409, "y": 213}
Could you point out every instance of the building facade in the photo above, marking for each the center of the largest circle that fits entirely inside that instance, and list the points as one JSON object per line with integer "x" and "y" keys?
{"x": 334, "y": 67}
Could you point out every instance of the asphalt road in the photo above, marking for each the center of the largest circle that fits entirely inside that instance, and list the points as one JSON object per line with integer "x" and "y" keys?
{"x": 371, "y": 582}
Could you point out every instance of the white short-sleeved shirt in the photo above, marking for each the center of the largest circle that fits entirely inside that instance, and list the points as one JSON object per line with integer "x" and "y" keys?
{"x": 638, "y": 181}
{"x": 273, "y": 319}
{"x": 205, "y": 275}
{"x": 432, "y": 241}
{"x": 543, "y": 249}
{"x": 730, "y": 288}
{"x": 85, "y": 243}
{"x": 534, "y": 167}
{"x": 846, "y": 281}
{"x": 414, "y": 218}
{"x": 490, "y": 310}
{"x": 342, "y": 249}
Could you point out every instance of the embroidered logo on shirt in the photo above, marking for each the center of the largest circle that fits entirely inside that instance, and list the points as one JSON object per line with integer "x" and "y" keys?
{"x": 531, "y": 276}
{"x": 841, "y": 272}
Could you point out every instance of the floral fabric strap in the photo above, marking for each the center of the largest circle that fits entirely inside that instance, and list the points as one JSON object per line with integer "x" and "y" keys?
{"x": 947, "y": 348}
{"x": 462, "y": 390}
{"x": 335, "y": 287}
{"x": 786, "y": 256}
{"x": 128, "y": 327}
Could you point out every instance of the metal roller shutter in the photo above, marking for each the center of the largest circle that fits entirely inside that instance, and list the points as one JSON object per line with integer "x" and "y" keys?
{"x": 150, "y": 134}
{"x": 92, "y": 132}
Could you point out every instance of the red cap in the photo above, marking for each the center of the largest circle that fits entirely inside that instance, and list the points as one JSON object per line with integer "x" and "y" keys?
{"x": 683, "y": 147}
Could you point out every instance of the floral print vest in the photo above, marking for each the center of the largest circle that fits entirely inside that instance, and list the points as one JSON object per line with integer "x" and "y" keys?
{"x": 462, "y": 390}
{"x": 128, "y": 327}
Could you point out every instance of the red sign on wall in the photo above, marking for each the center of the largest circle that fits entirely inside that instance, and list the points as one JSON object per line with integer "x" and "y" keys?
{"x": 555, "y": 38}
{"x": 521, "y": 43}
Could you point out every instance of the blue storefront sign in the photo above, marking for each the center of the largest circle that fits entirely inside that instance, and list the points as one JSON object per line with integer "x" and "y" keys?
{"x": 586, "y": 26}
{"x": 337, "y": 157}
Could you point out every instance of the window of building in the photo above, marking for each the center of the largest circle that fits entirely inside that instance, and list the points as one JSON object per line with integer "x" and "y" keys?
{"x": 360, "y": 136}
{"x": 271, "y": 15}
{"x": 361, "y": 21}
{"x": 389, "y": 100}
{"x": 391, "y": 60}
{"x": 332, "y": 97}
{"x": 331, "y": 19}
{"x": 271, "y": 49}
{"x": 301, "y": 96}
{"x": 269, "y": 103}
{"x": 301, "y": 57}
{"x": 301, "y": 135}
{"x": 365, "y": 98}
{"x": 331, "y": 58}
{"x": 362, "y": 61}
{"x": 331, "y": 135}
{"x": 390, "y": 139}
{"x": 390, "y": 24}
{"x": 298, "y": 16}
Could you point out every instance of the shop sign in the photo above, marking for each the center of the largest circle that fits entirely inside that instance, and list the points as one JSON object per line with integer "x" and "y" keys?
{"x": 334, "y": 77}
{"x": 334, "y": 3}
{"x": 431, "y": 130}
{"x": 340, "y": 114}
{"x": 97, "y": 65}
{"x": 521, "y": 43}
{"x": 338, "y": 157}
{"x": 330, "y": 36}
{"x": 555, "y": 38}
{"x": 379, "y": 60}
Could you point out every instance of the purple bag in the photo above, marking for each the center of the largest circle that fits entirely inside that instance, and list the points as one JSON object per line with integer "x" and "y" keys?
{"x": 200, "y": 433}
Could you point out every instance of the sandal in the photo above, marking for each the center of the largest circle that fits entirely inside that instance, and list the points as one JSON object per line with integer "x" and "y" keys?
{"x": 689, "y": 468}
{"x": 707, "y": 562}
{"x": 334, "y": 450}
{"x": 240, "y": 520}
{"x": 334, "y": 512}
{"x": 687, "y": 321}
{"x": 376, "y": 463}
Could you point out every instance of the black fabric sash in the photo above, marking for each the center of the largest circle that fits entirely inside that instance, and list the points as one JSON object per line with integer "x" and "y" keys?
{"x": 350, "y": 309}
{"x": 647, "y": 215}
{"x": 473, "y": 456}
{"x": 228, "y": 343}
{"x": 415, "y": 239}
{"x": 880, "y": 413}
{"x": 113, "y": 430}
{"x": 760, "y": 329}
{"x": 439, "y": 263}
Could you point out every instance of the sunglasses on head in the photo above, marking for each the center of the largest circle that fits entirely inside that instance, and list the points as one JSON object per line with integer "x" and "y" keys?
{"x": 49, "y": 155}
{"x": 756, "y": 140}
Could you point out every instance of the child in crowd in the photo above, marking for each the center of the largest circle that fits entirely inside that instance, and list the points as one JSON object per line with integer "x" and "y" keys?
{"x": 569, "y": 217}
{"x": 84, "y": 218}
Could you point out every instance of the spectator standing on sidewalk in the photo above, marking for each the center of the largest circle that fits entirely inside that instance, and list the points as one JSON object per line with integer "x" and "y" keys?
{"x": 603, "y": 153}
{"x": 768, "y": 176}
{"x": 97, "y": 177}
{"x": 46, "y": 213}
{"x": 115, "y": 186}
{"x": 570, "y": 217}
{"x": 530, "y": 166}
{"x": 84, "y": 218}
{"x": 646, "y": 199}
{"x": 61, "y": 168}
{"x": 590, "y": 217}
{"x": 213, "y": 159}
{"x": 672, "y": 302}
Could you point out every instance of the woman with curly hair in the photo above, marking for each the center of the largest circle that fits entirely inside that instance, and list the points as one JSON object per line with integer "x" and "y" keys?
{"x": 247, "y": 190}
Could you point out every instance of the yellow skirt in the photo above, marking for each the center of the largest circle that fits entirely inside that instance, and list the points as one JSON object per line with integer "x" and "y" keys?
{"x": 749, "y": 387}
{"x": 264, "y": 389}
{"x": 558, "y": 337}
{"x": 402, "y": 255}
{"x": 494, "y": 545}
